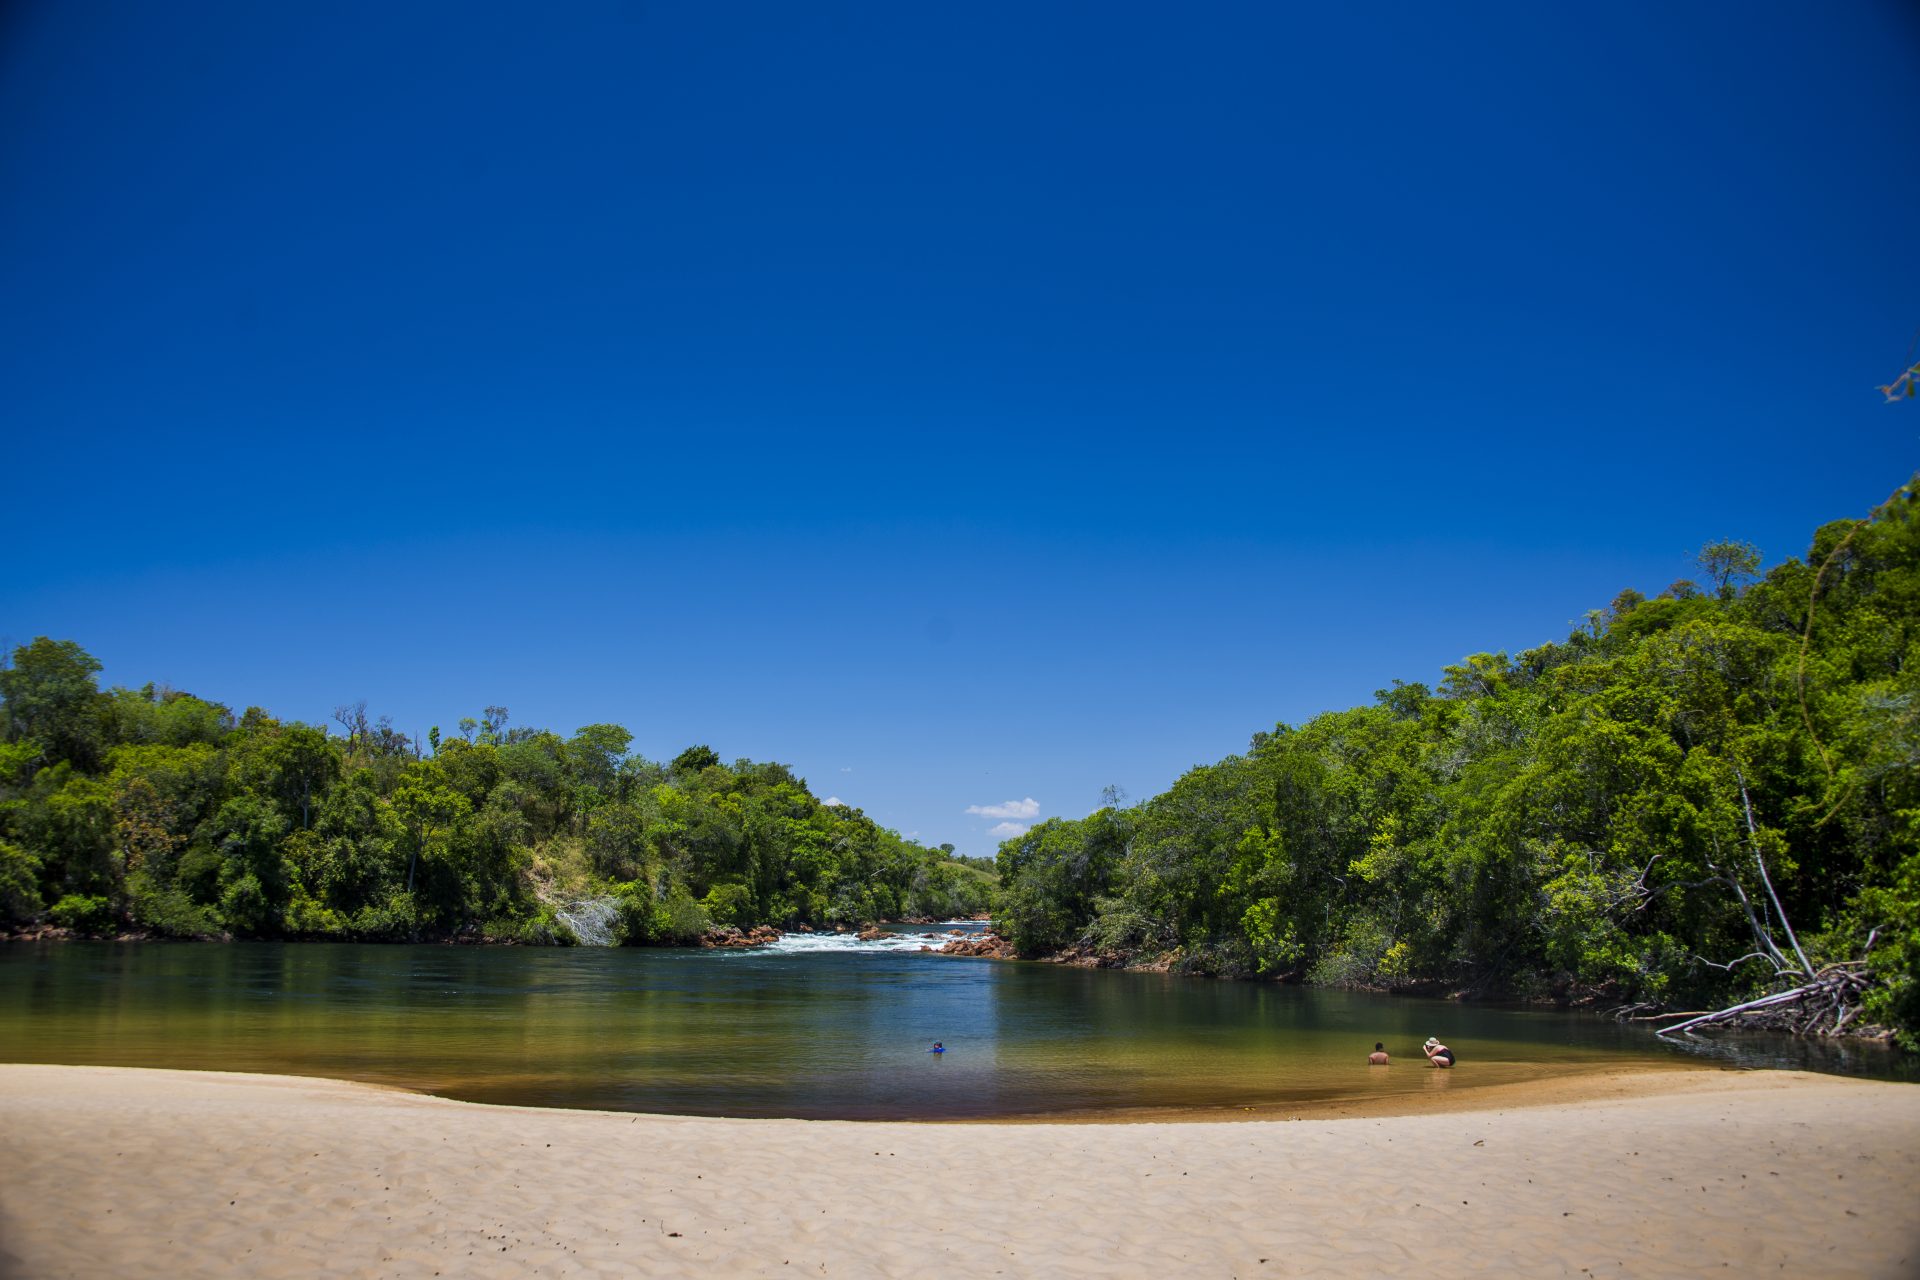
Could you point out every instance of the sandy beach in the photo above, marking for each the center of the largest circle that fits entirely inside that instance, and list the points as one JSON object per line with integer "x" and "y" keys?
{"x": 120, "y": 1172}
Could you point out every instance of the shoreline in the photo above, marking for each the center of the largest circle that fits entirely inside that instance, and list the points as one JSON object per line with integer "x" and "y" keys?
{"x": 1565, "y": 1087}
{"x": 1440, "y": 1093}
{"x": 134, "y": 1172}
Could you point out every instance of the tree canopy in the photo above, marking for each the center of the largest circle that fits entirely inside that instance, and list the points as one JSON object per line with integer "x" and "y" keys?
{"x": 154, "y": 809}
{"x": 1679, "y": 802}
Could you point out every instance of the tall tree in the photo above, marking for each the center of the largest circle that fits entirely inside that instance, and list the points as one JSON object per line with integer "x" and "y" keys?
{"x": 51, "y": 697}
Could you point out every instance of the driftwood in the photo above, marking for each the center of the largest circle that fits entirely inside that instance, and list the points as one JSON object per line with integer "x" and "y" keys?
{"x": 1819, "y": 1001}
{"x": 1823, "y": 1006}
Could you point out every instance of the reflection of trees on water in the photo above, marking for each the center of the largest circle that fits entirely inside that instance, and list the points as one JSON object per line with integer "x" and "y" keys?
{"x": 834, "y": 1034}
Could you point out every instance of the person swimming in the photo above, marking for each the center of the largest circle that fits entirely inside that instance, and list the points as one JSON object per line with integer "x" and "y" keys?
{"x": 1438, "y": 1054}
{"x": 937, "y": 1048}
{"x": 1378, "y": 1058}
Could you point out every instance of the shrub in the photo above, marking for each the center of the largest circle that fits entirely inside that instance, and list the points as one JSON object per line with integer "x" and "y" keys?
{"x": 19, "y": 883}
{"x": 633, "y": 914}
{"x": 167, "y": 909}
{"x": 680, "y": 920}
{"x": 1355, "y": 960}
{"x": 391, "y": 918}
{"x": 730, "y": 903}
{"x": 548, "y": 930}
{"x": 309, "y": 918}
{"x": 244, "y": 906}
{"x": 84, "y": 914}
{"x": 1120, "y": 928}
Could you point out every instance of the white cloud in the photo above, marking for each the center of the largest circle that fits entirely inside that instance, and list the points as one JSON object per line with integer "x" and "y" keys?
{"x": 1028, "y": 808}
{"x": 1007, "y": 830}
{"x": 830, "y": 801}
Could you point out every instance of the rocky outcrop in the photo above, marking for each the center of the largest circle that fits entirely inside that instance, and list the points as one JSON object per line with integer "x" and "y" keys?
{"x": 873, "y": 933}
{"x": 1082, "y": 956}
{"x": 985, "y": 946}
{"x": 55, "y": 933}
{"x": 726, "y": 935}
{"x": 37, "y": 933}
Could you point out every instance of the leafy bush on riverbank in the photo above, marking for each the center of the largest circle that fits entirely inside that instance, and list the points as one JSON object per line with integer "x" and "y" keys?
{"x": 159, "y": 810}
{"x": 1616, "y": 813}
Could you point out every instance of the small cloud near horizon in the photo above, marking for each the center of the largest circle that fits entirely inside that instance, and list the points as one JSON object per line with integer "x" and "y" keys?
{"x": 1008, "y": 830}
{"x": 1028, "y": 808}
{"x": 830, "y": 801}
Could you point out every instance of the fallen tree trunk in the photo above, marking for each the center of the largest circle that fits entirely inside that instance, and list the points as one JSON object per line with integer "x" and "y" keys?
{"x": 1823, "y": 1006}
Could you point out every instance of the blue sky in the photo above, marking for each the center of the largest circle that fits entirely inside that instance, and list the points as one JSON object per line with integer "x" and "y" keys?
{"x": 964, "y": 407}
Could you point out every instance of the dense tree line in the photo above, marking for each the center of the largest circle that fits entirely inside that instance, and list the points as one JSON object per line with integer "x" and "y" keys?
{"x": 1694, "y": 797}
{"x": 155, "y": 809}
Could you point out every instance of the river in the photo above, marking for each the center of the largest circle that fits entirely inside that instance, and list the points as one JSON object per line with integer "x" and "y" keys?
{"x": 816, "y": 1026}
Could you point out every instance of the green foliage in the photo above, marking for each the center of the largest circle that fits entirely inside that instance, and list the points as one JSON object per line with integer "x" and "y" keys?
{"x": 83, "y": 914}
{"x": 190, "y": 822}
{"x": 730, "y": 903}
{"x": 49, "y": 696}
{"x": 1894, "y": 909}
{"x": 1595, "y": 815}
{"x": 1727, "y": 562}
{"x": 678, "y": 919}
{"x": 19, "y": 884}
{"x": 165, "y": 717}
{"x": 547, "y": 930}
{"x": 694, "y": 759}
{"x": 253, "y": 875}
{"x": 167, "y": 908}
{"x": 634, "y": 918}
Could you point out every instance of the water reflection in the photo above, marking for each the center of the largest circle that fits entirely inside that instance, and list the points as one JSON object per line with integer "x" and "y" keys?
{"x": 817, "y": 1033}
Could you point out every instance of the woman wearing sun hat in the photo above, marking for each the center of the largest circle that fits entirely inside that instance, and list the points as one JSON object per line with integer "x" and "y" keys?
{"x": 1438, "y": 1054}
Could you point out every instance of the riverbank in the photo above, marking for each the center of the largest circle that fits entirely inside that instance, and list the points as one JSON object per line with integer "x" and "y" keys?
{"x": 125, "y": 1172}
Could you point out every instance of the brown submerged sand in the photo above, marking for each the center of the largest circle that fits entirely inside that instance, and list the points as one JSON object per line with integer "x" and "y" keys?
{"x": 126, "y": 1173}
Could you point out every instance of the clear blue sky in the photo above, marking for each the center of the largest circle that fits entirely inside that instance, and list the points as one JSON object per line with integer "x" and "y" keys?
{"x": 962, "y": 404}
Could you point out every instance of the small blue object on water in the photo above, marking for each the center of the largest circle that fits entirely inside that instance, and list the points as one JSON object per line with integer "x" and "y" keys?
{"x": 937, "y": 1048}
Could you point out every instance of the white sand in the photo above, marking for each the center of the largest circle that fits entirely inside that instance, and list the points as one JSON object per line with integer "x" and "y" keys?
{"x": 124, "y": 1173}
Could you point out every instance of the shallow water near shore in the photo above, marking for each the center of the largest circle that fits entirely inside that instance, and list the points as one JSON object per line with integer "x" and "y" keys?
{"x": 815, "y": 1027}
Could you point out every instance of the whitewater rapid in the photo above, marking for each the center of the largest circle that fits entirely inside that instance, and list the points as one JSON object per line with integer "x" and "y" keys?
{"x": 794, "y": 944}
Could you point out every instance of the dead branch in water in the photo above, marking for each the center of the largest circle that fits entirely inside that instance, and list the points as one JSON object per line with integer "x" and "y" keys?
{"x": 1822, "y": 1007}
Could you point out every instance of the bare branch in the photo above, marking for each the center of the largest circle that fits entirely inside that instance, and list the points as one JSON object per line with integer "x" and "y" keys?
{"x": 1763, "y": 1002}
{"x": 1753, "y": 838}
{"x": 1901, "y": 388}
{"x": 1729, "y": 965}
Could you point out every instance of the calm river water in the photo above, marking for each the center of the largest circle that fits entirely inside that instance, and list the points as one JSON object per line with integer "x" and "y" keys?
{"x": 818, "y": 1027}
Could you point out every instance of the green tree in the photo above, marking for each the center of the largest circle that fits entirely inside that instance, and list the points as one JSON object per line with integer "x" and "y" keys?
{"x": 294, "y": 764}
{"x": 1726, "y": 563}
{"x": 253, "y": 883}
{"x": 50, "y": 697}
